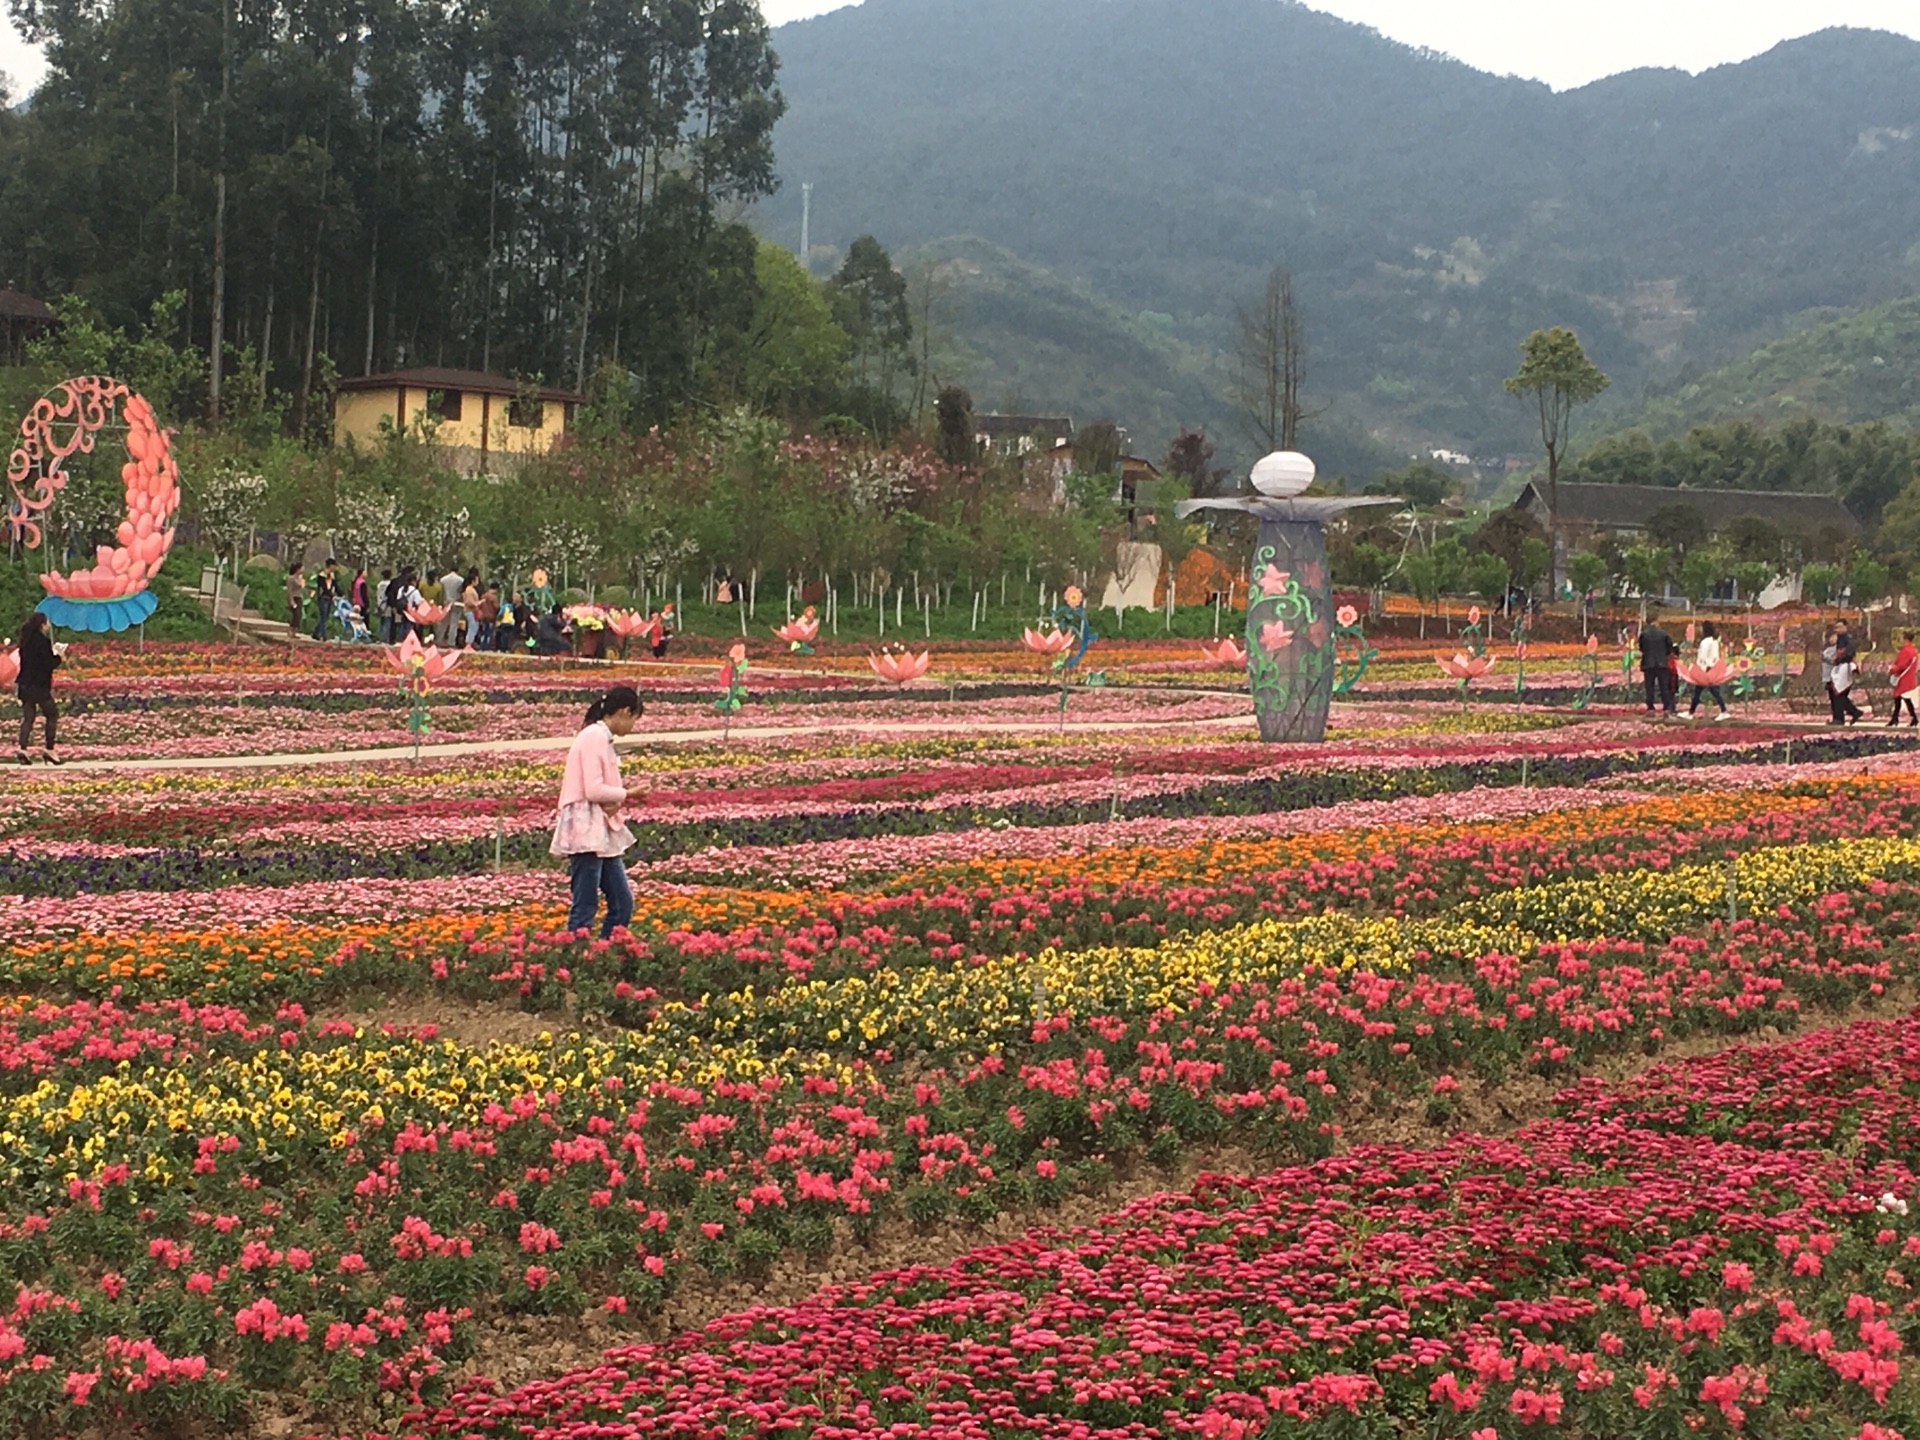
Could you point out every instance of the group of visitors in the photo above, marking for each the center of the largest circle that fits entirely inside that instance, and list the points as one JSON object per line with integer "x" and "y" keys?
{"x": 476, "y": 614}
{"x": 1839, "y": 674}
{"x": 1840, "y": 671}
{"x": 1660, "y": 669}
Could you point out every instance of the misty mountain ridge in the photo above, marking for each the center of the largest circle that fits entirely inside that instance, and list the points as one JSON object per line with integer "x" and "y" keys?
{"x": 1159, "y": 156}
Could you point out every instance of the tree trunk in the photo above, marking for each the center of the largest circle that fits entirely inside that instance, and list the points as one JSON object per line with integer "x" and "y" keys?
{"x": 218, "y": 347}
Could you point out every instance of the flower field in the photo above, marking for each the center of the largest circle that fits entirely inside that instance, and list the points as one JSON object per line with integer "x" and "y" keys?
{"x": 1482, "y": 1072}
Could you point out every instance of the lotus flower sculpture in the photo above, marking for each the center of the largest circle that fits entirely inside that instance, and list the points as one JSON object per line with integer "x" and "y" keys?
{"x": 800, "y": 632}
{"x": 9, "y": 666}
{"x": 1048, "y": 642}
{"x": 1464, "y": 667}
{"x": 410, "y": 657}
{"x": 897, "y": 667}
{"x": 1708, "y": 676}
{"x": 626, "y": 623}
{"x": 426, "y": 613}
{"x": 1229, "y": 652}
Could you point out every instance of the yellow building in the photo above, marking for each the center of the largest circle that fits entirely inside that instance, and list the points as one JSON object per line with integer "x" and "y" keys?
{"x": 482, "y": 418}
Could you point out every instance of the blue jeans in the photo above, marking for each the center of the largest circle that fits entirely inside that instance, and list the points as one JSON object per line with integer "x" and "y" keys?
{"x": 592, "y": 878}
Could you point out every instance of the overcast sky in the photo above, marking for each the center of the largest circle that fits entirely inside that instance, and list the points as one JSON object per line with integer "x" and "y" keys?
{"x": 1563, "y": 45}
{"x": 1569, "y": 45}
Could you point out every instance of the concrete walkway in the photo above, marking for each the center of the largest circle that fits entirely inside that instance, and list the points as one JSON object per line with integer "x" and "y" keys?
{"x": 716, "y": 735}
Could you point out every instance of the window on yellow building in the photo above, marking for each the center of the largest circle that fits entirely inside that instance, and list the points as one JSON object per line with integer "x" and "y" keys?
{"x": 527, "y": 414}
{"x": 445, "y": 404}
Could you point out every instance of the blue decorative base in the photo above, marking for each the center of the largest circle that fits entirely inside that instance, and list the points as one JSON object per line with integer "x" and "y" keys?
{"x": 99, "y": 616}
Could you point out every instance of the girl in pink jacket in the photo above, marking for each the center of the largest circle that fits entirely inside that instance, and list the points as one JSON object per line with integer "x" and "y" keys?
{"x": 589, "y": 829}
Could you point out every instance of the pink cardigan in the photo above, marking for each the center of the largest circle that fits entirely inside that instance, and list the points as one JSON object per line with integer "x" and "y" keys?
{"x": 590, "y": 796}
{"x": 593, "y": 769}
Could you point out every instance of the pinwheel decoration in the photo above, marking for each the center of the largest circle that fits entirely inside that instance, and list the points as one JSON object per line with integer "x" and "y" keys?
{"x": 9, "y": 667}
{"x": 113, "y": 593}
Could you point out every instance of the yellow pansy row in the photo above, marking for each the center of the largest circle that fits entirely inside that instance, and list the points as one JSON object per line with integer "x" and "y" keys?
{"x": 274, "y": 1099}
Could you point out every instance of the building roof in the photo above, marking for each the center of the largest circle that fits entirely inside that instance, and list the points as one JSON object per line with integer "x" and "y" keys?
{"x": 1129, "y": 464}
{"x": 15, "y": 306}
{"x": 1626, "y": 507}
{"x": 1018, "y": 427}
{"x": 444, "y": 378}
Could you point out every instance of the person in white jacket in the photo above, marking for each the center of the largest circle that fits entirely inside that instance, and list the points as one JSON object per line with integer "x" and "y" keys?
{"x": 1706, "y": 655}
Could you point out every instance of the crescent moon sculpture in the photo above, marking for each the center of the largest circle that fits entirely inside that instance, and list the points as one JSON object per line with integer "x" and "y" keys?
{"x": 112, "y": 594}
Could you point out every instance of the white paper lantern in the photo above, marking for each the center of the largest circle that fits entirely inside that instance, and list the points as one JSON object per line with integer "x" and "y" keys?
{"x": 1283, "y": 475}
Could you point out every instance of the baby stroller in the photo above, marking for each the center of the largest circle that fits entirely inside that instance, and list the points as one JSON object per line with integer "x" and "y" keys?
{"x": 353, "y": 629}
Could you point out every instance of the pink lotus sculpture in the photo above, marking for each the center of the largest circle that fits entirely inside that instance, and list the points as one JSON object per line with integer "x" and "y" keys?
{"x": 1464, "y": 667}
{"x": 1049, "y": 642}
{"x": 899, "y": 666}
{"x": 801, "y": 631}
{"x": 1229, "y": 652}
{"x": 626, "y": 623}
{"x": 426, "y": 613}
{"x": 153, "y": 495}
{"x": 9, "y": 666}
{"x": 410, "y": 657}
{"x": 1717, "y": 673}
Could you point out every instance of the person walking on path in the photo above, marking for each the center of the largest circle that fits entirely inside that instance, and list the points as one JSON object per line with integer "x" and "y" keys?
{"x": 589, "y": 830}
{"x": 453, "y": 585}
{"x": 1904, "y": 679}
{"x": 1706, "y": 655}
{"x": 296, "y": 600}
{"x": 1845, "y": 655}
{"x": 39, "y": 658}
{"x": 1656, "y": 668}
{"x": 360, "y": 595}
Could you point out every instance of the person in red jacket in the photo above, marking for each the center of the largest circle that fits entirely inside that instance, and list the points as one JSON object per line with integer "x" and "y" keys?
{"x": 1905, "y": 677}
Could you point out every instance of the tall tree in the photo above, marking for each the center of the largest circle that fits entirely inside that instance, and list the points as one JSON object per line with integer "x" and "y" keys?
{"x": 1557, "y": 375}
{"x": 1270, "y": 364}
{"x": 870, "y": 303}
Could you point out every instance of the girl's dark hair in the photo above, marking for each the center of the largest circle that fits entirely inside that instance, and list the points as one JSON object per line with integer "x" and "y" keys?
{"x": 1706, "y": 629}
{"x": 35, "y": 624}
{"x": 620, "y": 697}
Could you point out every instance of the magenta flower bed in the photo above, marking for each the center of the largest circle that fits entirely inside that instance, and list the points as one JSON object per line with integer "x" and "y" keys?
{"x": 1590, "y": 1276}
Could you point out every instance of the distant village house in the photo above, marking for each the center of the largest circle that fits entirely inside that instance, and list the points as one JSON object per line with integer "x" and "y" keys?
{"x": 1588, "y": 511}
{"x": 487, "y": 421}
{"x": 1021, "y": 434}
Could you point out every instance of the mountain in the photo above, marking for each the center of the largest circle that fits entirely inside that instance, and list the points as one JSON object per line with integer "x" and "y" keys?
{"x": 1860, "y": 366}
{"x": 1024, "y": 338}
{"x": 1162, "y": 155}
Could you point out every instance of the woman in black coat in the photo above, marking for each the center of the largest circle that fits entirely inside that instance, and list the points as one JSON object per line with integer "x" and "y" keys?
{"x": 39, "y": 658}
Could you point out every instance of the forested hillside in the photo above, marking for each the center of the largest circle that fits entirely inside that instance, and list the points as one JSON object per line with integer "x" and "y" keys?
{"x": 1166, "y": 153}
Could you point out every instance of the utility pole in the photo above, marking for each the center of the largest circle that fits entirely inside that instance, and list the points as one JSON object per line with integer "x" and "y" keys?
{"x": 806, "y": 225}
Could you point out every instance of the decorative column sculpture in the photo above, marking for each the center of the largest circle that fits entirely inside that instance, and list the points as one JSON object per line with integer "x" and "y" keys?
{"x": 1290, "y": 622}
